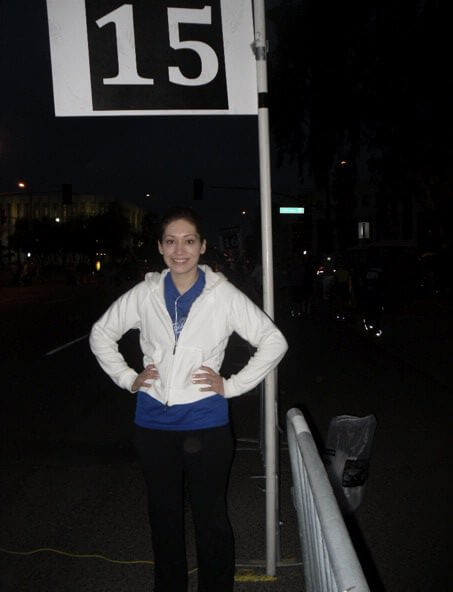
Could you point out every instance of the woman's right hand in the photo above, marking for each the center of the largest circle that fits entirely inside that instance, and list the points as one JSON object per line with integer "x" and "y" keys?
{"x": 145, "y": 378}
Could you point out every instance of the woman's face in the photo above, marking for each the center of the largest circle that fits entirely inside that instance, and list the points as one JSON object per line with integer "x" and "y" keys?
{"x": 181, "y": 247}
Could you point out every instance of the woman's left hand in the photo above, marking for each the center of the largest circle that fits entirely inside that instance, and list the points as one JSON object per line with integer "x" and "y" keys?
{"x": 209, "y": 377}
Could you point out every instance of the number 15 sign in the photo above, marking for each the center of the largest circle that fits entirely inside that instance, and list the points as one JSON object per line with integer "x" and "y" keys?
{"x": 152, "y": 57}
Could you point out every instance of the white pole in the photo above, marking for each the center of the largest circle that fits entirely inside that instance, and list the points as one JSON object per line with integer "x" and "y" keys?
{"x": 268, "y": 287}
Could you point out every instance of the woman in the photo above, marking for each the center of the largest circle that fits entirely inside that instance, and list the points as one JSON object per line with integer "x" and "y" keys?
{"x": 182, "y": 424}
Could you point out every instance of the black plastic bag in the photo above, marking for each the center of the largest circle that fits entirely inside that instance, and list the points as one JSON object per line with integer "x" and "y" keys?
{"x": 347, "y": 457}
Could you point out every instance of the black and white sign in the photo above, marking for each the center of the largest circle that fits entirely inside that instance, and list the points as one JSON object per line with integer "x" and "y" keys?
{"x": 145, "y": 57}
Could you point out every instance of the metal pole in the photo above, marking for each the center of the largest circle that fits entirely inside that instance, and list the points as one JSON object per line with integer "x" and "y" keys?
{"x": 268, "y": 292}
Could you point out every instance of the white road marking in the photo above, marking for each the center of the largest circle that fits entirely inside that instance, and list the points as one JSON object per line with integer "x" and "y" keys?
{"x": 54, "y": 351}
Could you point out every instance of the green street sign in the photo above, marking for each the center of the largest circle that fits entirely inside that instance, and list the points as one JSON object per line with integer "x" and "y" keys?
{"x": 292, "y": 210}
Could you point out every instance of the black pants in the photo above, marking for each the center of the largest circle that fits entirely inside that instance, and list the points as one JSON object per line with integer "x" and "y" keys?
{"x": 204, "y": 458}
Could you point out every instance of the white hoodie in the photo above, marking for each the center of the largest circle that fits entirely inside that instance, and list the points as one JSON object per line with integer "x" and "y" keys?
{"x": 216, "y": 313}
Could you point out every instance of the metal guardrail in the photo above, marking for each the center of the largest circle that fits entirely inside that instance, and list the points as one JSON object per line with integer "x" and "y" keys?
{"x": 329, "y": 559}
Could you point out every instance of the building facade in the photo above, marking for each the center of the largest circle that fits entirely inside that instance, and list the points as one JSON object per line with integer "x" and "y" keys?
{"x": 56, "y": 207}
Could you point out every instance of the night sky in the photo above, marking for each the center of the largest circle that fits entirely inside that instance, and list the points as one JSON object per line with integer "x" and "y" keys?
{"x": 126, "y": 156}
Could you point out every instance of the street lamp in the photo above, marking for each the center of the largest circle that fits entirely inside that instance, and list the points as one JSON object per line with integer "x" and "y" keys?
{"x": 23, "y": 185}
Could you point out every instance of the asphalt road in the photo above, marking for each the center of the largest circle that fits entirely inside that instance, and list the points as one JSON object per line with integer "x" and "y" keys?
{"x": 70, "y": 481}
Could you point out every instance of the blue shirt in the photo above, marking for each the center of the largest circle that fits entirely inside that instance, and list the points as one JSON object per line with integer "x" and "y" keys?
{"x": 206, "y": 413}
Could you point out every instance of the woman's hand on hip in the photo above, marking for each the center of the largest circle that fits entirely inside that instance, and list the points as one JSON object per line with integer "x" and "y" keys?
{"x": 145, "y": 378}
{"x": 210, "y": 378}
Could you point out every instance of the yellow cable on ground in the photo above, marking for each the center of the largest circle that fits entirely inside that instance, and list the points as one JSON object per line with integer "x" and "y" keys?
{"x": 76, "y": 555}
{"x": 243, "y": 575}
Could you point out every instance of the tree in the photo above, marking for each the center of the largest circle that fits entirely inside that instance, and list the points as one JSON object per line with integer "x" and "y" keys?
{"x": 42, "y": 238}
{"x": 146, "y": 248}
{"x": 109, "y": 233}
{"x": 316, "y": 76}
{"x": 367, "y": 83}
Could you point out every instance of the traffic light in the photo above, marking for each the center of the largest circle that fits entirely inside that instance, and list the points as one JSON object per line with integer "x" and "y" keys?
{"x": 198, "y": 187}
{"x": 66, "y": 194}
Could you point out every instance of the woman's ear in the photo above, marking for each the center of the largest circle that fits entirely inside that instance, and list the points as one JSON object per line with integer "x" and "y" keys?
{"x": 159, "y": 246}
{"x": 203, "y": 247}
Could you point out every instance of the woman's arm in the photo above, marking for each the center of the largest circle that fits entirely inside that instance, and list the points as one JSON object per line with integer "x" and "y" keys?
{"x": 119, "y": 318}
{"x": 253, "y": 325}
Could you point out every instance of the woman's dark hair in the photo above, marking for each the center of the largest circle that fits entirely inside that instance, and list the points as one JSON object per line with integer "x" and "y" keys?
{"x": 180, "y": 213}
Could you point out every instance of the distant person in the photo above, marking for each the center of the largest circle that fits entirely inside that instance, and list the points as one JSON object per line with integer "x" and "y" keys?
{"x": 296, "y": 281}
{"x": 26, "y": 274}
{"x": 308, "y": 279}
{"x": 372, "y": 298}
{"x": 343, "y": 288}
{"x": 256, "y": 277}
{"x": 185, "y": 316}
{"x": 328, "y": 279}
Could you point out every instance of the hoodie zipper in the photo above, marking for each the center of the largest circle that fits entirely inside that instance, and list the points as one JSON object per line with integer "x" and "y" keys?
{"x": 165, "y": 312}
{"x": 175, "y": 324}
